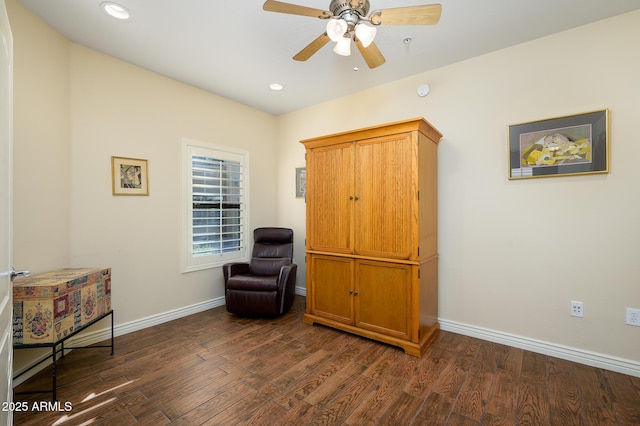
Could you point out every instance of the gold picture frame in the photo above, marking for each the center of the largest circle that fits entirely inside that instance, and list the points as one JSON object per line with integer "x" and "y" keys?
{"x": 129, "y": 176}
{"x": 562, "y": 146}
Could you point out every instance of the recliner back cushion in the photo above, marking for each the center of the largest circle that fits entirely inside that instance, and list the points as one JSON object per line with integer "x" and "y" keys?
{"x": 268, "y": 265}
{"x": 273, "y": 235}
{"x": 273, "y": 250}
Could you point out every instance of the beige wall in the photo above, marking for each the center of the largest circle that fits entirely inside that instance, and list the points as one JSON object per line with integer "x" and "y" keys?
{"x": 42, "y": 145}
{"x": 513, "y": 254}
{"x": 122, "y": 110}
{"x": 74, "y": 109}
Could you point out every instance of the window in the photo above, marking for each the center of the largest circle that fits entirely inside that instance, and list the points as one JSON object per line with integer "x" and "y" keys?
{"x": 214, "y": 205}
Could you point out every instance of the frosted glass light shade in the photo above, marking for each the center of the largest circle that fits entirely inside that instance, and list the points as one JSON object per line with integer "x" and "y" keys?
{"x": 365, "y": 34}
{"x": 115, "y": 10}
{"x": 343, "y": 46}
{"x": 336, "y": 29}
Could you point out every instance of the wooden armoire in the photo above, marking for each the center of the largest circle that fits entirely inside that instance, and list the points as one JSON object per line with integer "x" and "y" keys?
{"x": 371, "y": 243}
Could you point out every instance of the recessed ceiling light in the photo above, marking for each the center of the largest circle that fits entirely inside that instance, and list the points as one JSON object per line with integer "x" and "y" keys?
{"x": 115, "y": 10}
{"x": 276, "y": 86}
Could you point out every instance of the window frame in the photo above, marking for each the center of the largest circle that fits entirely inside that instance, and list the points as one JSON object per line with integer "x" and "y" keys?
{"x": 189, "y": 262}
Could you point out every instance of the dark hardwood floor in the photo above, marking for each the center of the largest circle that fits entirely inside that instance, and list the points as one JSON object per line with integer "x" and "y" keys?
{"x": 214, "y": 368}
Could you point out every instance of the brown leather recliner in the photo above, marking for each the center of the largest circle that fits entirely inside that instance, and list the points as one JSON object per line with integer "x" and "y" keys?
{"x": 266, "y": 285}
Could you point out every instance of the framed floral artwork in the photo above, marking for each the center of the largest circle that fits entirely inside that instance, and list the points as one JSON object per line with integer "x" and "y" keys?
{"x": 570, "y": 145}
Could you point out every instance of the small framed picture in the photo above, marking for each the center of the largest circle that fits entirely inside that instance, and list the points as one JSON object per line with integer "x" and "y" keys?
{"x": 129, "y": 176}
{"x": 301, "y": 182}
{"x": 562, "y": 146}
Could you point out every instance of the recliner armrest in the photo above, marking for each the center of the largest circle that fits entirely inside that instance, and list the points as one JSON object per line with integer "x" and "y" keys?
{"x": 287, "y": 272}
{"x": 231, "y": 269}
{"x": 287, "y": 285}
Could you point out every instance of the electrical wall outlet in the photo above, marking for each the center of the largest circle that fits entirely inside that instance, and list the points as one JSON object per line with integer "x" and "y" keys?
{"x": 633, "y": 317}
{"x": 577, "y": 309}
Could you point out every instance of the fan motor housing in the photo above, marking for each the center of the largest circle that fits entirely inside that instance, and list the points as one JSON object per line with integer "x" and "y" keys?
{"x": 338, "y": 7}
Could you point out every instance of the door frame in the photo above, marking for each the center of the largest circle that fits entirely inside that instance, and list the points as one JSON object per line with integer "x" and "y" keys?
{"x": 6, "y": 223}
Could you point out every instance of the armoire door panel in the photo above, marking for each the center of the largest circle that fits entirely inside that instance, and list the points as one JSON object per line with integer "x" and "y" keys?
{"x": 329, "y": 198}
{"x": 385, "y": 195}
{"x": 332, "y": 287}
{"x": 383, "y": 300}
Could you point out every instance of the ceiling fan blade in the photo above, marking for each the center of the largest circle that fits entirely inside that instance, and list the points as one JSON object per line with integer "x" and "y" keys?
{"x": 371, "y": 54}
{"x": 428, "y": 14}
{"x": 312, "y": 48}
{"x": 294, "y": 9}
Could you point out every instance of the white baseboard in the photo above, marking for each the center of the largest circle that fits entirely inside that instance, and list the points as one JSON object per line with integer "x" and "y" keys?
{"x": 581, "y": 356}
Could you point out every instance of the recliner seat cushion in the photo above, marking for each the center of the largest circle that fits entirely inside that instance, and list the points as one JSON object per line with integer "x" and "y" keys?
{"x": 253, "y": 283}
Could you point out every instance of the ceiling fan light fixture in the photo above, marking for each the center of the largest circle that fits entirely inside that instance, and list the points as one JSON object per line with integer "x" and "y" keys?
{"x": 365, "y": 34}
{"x": 344, "y": 23}
{"x": 336, "y": 28}
{"x": 343, "y": 46}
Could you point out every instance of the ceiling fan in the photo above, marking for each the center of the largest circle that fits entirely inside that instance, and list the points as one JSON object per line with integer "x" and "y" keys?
{"x": 346, "y": 22}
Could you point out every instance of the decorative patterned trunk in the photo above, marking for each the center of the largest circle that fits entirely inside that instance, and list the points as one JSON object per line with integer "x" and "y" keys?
{"x": 50, "y": 306}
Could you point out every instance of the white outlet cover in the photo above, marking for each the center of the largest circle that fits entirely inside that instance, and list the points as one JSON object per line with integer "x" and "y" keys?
{"x": 633, "y": 317}
{"x": 577, "y": 309}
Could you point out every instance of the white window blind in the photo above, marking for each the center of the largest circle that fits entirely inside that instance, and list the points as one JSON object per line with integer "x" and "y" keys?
{"x": 217, "y": 205}
{"x": 216, "y": 217}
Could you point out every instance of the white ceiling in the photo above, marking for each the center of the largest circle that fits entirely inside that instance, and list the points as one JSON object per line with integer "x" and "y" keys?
{"x": 236, "y": 50}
